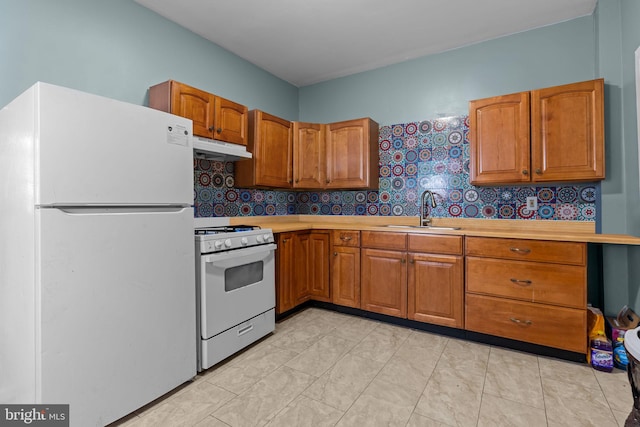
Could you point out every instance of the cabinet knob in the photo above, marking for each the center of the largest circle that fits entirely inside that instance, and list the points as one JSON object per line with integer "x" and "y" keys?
{"x": 412, "y": 261}
{"x": 539, "y": 171}
{"x": 284, "y": 240}
{"x": 297, "y": 180}
{"x": 327, "y": 181}
{"x": 525, "y": 172}
{"x": 219, "y": 130}
{"x": 404, "y": 261}
{"x": 210, "y": 128}
{"x": 335, "y": 254}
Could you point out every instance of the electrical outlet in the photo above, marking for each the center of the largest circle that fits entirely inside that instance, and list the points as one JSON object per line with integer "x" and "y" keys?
{"x": 532, "y": 203}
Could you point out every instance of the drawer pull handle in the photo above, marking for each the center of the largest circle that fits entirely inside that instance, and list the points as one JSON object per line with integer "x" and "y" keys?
{"x": 521, "y": 282}
{"x": 346, "y": 238}
{"x": 521, "y": 322}
{"x": 520, "y": 251}
{"x": 244, "y": 330}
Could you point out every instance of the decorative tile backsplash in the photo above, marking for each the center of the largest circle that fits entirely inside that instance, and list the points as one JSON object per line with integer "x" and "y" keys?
{"x": 431, "y": 154}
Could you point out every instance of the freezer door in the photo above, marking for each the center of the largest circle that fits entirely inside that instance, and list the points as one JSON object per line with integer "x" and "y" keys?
{"x": 117, "y": 310}
{"x": 95, "y": 150}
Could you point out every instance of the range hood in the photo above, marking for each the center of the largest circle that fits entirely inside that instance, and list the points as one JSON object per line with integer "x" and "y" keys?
{"x": 221, "y": 151}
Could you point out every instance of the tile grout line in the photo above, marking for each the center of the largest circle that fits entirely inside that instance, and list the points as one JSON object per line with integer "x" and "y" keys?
{"x": 427, "y": 383}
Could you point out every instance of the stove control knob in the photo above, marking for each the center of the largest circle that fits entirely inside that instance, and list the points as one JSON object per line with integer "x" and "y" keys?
{"x": 267, "y": 238}
{"x": 218, "y": 244}
{"x": 244, "y": 241}
{"x": 227, "y": 243}
{"x": 260, "y": 239}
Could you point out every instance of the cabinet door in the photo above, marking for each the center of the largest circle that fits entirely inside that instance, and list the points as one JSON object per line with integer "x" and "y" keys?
{"x": 284, "y": 272}
{"x": 567, "y": 132}
{"x": 301, "y": 271}
{"x": 499, "y": 139}
{"x": 384, "y": 282}
{"x": 270, "y": 144}
{"x": 319, "y": 266}
{"x": 272, "y": 151}
{"x": 194, "y": 104}
{"x": 345, "y": 276}
{"x": 309, "y": 155}
{"x": 352, "y": 154}
{"x": 231, "y": 121}
{"x": 436, "y": 289}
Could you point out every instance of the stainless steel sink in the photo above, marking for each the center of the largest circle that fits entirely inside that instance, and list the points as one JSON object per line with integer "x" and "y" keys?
{"x": 424, "y": 227}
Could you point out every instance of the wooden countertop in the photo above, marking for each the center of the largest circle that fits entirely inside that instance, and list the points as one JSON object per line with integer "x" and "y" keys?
{"x": 571, "y": 231}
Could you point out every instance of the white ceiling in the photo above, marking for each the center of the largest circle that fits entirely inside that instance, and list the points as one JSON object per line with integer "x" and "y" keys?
{"x": 310, "y": 41}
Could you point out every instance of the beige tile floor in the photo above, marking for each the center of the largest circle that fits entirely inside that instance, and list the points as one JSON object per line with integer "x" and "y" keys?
{"x": 322, "y": 368}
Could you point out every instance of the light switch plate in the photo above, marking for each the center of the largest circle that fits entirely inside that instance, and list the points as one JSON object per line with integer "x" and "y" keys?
{"x": 532, "y": 203}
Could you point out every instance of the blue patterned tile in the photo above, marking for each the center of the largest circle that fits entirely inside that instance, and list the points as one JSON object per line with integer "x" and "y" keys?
{"x": 429, "y": 154}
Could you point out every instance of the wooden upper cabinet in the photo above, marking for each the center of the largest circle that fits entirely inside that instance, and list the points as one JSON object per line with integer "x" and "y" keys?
{"x": 230, "y": 121}
{"x": 554, "y": 134}
{"x": 270, "y": 143}
{"x": 499, "y": 139}
{"x": 342, "y": 155}
{"x": 309, "y": 155}
{"x": 352, "y": 154}
{"x": 567, "y": 132}
{"x": 213, "y": 117}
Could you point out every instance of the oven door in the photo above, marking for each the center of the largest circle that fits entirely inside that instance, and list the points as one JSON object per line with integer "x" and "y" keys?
{"x": 235, "y": 286}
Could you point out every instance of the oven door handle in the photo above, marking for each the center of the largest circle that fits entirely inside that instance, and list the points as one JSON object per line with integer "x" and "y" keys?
{"x": 254, "y": 250}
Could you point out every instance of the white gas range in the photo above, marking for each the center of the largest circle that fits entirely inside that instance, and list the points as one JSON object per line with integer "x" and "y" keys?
{"x": 235, "y": 289}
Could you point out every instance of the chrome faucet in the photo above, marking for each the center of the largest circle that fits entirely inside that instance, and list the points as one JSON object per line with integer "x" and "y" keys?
{"x": 425, "y": 221}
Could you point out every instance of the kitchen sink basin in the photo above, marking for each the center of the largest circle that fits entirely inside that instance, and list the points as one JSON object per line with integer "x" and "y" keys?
{"x": 424, "y": 227}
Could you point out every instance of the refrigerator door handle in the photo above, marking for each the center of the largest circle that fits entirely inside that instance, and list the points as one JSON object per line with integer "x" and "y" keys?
{"x": 101, "y": 210}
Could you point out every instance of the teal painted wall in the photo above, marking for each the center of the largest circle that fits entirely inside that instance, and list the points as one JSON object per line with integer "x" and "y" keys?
{"x": 618, "y": 35}
{"x": 118, "y": 49}
{"x": 442, "y": 85}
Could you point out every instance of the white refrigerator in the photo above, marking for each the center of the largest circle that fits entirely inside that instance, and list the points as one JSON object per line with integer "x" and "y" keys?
{"x": 97, "y": 294}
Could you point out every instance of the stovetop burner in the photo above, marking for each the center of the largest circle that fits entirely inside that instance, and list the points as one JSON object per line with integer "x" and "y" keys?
{"x": 226, "y": 229}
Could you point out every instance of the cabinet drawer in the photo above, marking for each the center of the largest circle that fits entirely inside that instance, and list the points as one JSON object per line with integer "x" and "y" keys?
{"x": 558, "y": 327}
{"x": 435, "y": 244}
{"x": 527, "y": 250}
{"x": 382, "y": 240}
{"x": 531, "y": 281}
{"x": 345, "y": 238}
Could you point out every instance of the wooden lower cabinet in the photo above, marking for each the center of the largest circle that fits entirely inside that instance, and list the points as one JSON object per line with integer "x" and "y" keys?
{"x": 552, "y": 326}
{"x": 302, "y": 268}
{"x": 421, "y": 280}
{"x": 384, "y": 282}
{"x": 284, "y": 272}
{"x": 528, "y": 290}
{"x": 344, "y": 266}
{"x": 318, "y": 266}
{"x": 436, "y": 289}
